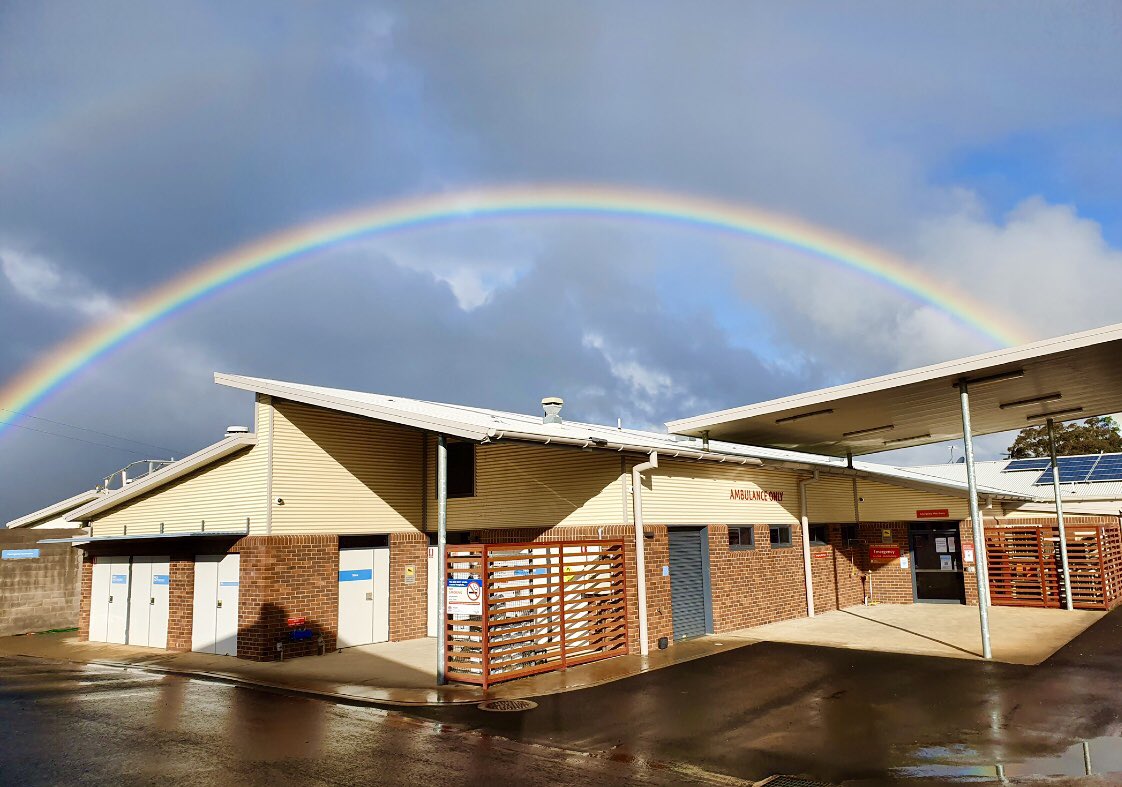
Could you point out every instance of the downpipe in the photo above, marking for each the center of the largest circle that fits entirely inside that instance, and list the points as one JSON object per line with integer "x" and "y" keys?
{"x": 640, "y": 559}
{"x": 805, "y": 521}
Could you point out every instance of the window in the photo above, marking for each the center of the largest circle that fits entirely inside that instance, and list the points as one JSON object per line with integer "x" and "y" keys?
{"x": 819, "y": 535}
{"x": 849, "y": 534}
{"x": 742, "y": 538}
{"x": 461, "y": 470}
{"x": 781, "y": 535}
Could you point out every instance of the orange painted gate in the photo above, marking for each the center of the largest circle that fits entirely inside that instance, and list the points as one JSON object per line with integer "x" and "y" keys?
{"x": 545, "y": 606}
{"x": 1024, "y": 565}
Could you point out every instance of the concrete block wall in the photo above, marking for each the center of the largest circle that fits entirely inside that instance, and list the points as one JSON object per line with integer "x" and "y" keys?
{"x": 37, "y": 594}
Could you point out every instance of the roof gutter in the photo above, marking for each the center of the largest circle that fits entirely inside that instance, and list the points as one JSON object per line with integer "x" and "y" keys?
{"x": 608, "y": 445}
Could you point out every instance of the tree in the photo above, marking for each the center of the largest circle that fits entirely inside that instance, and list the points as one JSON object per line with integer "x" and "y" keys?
{"x": 1098, "y": 434}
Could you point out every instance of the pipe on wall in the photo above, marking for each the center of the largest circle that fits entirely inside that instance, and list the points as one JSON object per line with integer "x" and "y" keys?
{"x": 640, "y": 559}
{"x": 804, "y": 517}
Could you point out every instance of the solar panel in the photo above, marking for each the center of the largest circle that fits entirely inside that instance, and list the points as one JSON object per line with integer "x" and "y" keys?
{"x": 1109, "y": 468}
{"x": 1018, "y": 465}
{"x": 1073, "y": 469}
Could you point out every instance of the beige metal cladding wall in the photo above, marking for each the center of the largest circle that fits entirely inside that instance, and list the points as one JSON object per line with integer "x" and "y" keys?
{"x": 223, "y": 495}
{"x": 524, "y": 485}
{"x": 342, "y": 473}
{"x": 700, "y": 493}
{"x": 830, "y": 500}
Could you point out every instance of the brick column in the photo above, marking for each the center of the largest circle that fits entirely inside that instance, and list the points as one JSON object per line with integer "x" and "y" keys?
{"x": 181, "y": 602}
{"x": 87, "y": 592}
{"x": 408, "y": 600}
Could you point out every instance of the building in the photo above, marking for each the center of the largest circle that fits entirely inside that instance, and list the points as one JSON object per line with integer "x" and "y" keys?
{"x": 316, "y": 529}
{"x": 54, "y": 515}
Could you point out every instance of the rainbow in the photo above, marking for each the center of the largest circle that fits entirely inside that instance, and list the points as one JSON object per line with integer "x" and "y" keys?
{"x": 32, "y": 386}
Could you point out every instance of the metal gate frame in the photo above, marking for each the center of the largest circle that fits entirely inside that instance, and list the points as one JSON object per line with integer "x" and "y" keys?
{"x": 546, "y": 606}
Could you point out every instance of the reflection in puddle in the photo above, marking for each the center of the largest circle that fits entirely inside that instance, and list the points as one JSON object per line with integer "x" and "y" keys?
{"x": 1098, "y": 756}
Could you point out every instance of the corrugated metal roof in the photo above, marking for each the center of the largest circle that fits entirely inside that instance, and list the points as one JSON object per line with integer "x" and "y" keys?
{"x": 481, "y": 424}
{"x": 993, "y": 474}
{"x": 55, "y": 509}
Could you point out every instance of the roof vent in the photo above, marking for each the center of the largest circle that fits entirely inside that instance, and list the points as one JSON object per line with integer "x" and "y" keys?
{"x": 552, "y": 407}
{"x": 236, "y": 431}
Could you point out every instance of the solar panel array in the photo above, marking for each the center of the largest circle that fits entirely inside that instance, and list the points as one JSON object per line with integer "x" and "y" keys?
{"x": 1109, "y": 468}
{"x": 1027, "y": 464}
{"x": 1073, "y": 469}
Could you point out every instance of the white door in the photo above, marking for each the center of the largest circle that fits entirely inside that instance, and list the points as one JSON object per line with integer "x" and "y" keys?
{"x": 118, "y": 616}
{"x": 364, "y": 596}
{"x": 226, "y": 623}
{"x": 148, "y": 602}
{"x": 99, "y": 599}
{"x": 214, "y": 628}
{"x": 433, "y": 582}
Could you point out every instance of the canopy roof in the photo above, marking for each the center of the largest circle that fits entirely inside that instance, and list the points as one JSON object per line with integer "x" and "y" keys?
{"x": 1072, "y": 377}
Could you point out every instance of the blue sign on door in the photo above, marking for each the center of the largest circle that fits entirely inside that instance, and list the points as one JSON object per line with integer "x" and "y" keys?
{"x": 120, "y": 579}
{"x": 19, "y": 554}
{"x": 356, "y": 575}
{"x": 232, "y": 584}
{"x": 161, "y": 579}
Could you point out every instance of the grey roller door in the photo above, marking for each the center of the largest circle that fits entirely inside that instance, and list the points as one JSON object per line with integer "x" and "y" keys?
{"x": 687, "y": 582}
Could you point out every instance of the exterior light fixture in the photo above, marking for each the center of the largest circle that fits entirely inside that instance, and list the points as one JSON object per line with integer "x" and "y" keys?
{"x": 908, "y": 439}
{"x": 1052, "y": 397}
{"x": 870, "y": 430}
{"x": 1054, "y": 413}
{"x": 992, "y": 378}
{"x": 801, "y": 416}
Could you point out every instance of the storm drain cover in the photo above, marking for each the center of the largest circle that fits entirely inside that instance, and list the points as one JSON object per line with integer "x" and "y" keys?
{"x": 789, "y": 781}
{"x": 507, "y": 706}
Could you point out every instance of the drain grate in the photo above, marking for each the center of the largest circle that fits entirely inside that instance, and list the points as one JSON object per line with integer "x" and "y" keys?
{"x": 789, "y": 781}
{"x": 507, "y": 706}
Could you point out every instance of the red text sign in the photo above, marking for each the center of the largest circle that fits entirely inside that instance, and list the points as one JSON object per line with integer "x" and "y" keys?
{"x": 884, "y": 553}
{"x": 756, "y": 494}
{"x": 933, "y": 513}
{"x": 296, "y": 622}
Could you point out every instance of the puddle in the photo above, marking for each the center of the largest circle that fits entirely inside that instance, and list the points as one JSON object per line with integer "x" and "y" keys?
{"x": 1097, "y": 756}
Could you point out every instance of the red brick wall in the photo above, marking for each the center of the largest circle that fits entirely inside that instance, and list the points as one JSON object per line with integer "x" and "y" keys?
{"x": 836, "y": 572}
{"x": 284, "y": 577}
{"x": 181, "y": 596}
{"x": 408, "y": 602}
{"x": 755, "y": 586}
{"x": 87, "y": 593}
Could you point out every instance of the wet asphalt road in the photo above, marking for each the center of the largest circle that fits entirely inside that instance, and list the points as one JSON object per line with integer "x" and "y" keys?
{"x": 836, "y": 715}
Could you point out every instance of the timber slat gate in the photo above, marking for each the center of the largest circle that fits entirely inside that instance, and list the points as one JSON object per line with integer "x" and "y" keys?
{"x": 1025, "y": 567}
{"x": 546, "y": 606}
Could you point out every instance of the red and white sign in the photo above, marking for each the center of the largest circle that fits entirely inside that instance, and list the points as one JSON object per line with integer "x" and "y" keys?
{"x": 820, "y": 553}
{"x": 883, "y": 553}
{"x": 968, "y": 554}
{"x": 933, "y": 513}
{"x": 297, "y": 621}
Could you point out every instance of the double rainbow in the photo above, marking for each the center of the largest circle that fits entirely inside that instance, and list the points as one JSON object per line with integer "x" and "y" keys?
{"x": 33, "y": 385}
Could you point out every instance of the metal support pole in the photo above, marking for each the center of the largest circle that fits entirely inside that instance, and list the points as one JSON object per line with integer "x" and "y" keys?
{"x": 980, "y": 573}
{"x": 1068, "y": 602}
{"x": 441, "y": 555}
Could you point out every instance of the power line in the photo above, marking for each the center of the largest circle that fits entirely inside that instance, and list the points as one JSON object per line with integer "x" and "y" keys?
{"x": 83, "y": 429}
{"x": 78, "y": 439}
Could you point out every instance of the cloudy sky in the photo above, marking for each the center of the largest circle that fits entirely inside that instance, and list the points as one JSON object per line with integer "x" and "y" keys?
{"x": 981, "y": 143}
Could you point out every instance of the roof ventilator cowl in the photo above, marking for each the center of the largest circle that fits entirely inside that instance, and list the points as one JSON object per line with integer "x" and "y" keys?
{"x": 552, "y": 406}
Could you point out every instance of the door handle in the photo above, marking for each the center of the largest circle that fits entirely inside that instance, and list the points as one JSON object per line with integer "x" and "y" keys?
{"x": 369, "y": 596}
{"x": 152, "y": 600}
{"x": 110, "y": 599}
{"x": 219, "y": 603}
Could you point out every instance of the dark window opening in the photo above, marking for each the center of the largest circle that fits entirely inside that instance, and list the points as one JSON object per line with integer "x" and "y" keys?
{"x": 461, "y": 470}
{"x": 742, "y": 538}
{"x": 849, "y": 534}
{"x": 819, "y": 535}
{"x": 781, "y": 535}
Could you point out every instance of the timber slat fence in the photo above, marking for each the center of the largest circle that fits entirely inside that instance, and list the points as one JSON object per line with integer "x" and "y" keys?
{"x": 1025, "y": 566}
{"x": 545, "y": 606}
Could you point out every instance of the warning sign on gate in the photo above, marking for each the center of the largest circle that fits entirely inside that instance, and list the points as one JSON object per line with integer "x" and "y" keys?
{"x": 465, "y": 597}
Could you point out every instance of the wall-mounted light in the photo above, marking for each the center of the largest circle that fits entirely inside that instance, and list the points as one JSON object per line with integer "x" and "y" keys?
{"x": 280, "y": 501}
{"x": 1052, "y": 397}
{"x": 870, "y": 430}
{"x": 1055, "y": 413}
{"x": 800, "y": 416}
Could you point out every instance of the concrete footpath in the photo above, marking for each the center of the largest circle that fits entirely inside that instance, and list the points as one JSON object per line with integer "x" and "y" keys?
{"x": 404, "y": 673}
{"x": 390, "y": 673}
